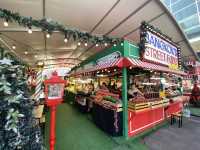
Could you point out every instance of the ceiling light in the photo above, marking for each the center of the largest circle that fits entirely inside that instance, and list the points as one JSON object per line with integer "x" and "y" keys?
{"x": 106, "y": 44}
{"x": 86, "y": 44}
{"x": 25, "y": 52}
{"x": 97, "y": 45}
{"x": 114, "y": 45}
{"x": 48, "y": 35}
{"x": 79, "y": 43}
{"x": 122, "y": 44}
{"x": 29, "y": 30}
{"x": 5, "y": 23}
{"x": 65, "y": 40}
{"x": 13, "y": 47}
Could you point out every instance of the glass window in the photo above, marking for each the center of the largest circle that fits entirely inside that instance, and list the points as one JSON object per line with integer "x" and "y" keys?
{"x": 166, "y": 2}
{"x": 184, "y": 13}
{"x": 193, "y": 33}
{"x": 198, "y": 5}
{"x": 188, "y": 23}
{"x": 181, "y": 4}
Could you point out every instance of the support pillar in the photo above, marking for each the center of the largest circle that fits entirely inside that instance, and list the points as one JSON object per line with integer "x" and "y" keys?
{"x": 125, "y": 102}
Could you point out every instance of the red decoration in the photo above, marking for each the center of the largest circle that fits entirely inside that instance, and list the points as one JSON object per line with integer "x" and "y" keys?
{"x": 54, "y": 90}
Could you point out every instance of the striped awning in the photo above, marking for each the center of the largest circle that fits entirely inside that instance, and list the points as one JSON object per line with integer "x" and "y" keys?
{"x": 109, "y": 64}
{"x": 147, "y": 65}
{"x": 115, "y": 63}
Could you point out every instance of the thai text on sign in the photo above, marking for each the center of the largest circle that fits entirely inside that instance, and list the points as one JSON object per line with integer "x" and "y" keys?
{"x": 159, "y": 50}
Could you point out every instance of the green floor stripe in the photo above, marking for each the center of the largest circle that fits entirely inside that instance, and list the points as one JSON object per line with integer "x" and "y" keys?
{"x": 76, "y": 131}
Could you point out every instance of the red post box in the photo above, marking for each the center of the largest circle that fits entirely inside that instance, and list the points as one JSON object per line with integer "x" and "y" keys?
{"x": 54, "y": 90}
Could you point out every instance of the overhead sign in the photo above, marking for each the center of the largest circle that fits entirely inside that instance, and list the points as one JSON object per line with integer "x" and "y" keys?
{"x": 160, "y": 51}
{"x": 109, "y": 59}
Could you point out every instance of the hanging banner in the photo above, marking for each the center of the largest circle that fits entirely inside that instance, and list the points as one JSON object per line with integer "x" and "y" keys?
{"x": 160, "y": 51}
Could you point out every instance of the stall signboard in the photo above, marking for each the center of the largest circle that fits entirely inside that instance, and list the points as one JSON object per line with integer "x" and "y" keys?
{"x": 109, "y": 59}
{"x": 160, "y": 51}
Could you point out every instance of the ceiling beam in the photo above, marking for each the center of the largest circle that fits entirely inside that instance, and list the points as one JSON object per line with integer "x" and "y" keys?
{"x": 151, "y": 20}
{"x": 129, "y": 16}
{"x": 120, "y": 23}
{"x": 107, "y": 13}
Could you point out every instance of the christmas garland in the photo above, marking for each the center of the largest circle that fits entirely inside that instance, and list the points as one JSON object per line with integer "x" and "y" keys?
{"x": 50, "y": 26}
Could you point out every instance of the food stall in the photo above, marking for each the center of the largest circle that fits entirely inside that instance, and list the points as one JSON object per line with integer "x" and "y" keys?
{"x": 152, "y": 69}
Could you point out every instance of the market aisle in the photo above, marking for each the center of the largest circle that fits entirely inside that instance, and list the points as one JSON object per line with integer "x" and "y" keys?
{"x": 75, "y": 131}
{"x": 174, "y": 138}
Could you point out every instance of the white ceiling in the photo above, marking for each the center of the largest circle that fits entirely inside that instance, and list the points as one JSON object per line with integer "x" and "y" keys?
{"x": 117, "y": 18}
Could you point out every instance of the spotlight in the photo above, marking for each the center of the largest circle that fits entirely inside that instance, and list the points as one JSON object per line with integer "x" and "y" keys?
{"x": 79, "y": 43}
{"x": 29, "y": 30}
{"x": 65, "y": 40}
{"x": 13, "y": 47}
{"x": 48, "y": 35}
{"x": 5, "y": 23}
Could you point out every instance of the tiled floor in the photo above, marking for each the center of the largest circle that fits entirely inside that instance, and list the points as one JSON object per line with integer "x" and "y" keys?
{"x": 174, "y": 138}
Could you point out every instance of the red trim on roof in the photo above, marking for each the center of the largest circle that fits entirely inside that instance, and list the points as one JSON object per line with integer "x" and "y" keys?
{"x": 143, "y": 64}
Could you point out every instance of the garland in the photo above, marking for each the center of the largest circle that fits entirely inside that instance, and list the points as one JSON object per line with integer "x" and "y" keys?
{"x": 49, "y": 26}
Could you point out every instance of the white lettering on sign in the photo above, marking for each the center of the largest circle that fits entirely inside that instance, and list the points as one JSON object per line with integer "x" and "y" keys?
{"x": 159, "y": 50}
{"x": 109, "y": 58}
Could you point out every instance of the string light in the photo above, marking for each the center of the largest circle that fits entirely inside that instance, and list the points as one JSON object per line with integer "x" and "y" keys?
{"x": 79, "y": 43}
{"x": 5, "y": 23}
{"x": 48, "y": 35}
{"x": 86, "y": 44}
{"x": 115, "y": 70}
{"x": 29, "y": 30}
{"x": 114, "y": 45}
{"x": 106, "y": 44}
{"x": 13, "y": 47}
{"x": 65, "y": 40}
{"x": 97, "y": 45}
{"x": 122, "y": 44}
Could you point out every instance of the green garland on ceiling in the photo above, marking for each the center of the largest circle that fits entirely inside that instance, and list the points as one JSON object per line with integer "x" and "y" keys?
{"x": 49, "y": 26}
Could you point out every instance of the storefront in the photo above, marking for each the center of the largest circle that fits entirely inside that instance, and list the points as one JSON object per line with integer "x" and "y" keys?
{"x": 143, "y": 83}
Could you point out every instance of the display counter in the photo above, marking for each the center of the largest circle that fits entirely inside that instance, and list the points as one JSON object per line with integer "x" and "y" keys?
{"x": 107, "y": 117}
{"x": 145, "y": 114}
{"x": 81, "y": 101}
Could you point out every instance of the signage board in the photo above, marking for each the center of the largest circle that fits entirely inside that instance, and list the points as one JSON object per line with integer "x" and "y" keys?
{"x": 108, "y": 59}
{"x": 160, "y": 51}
